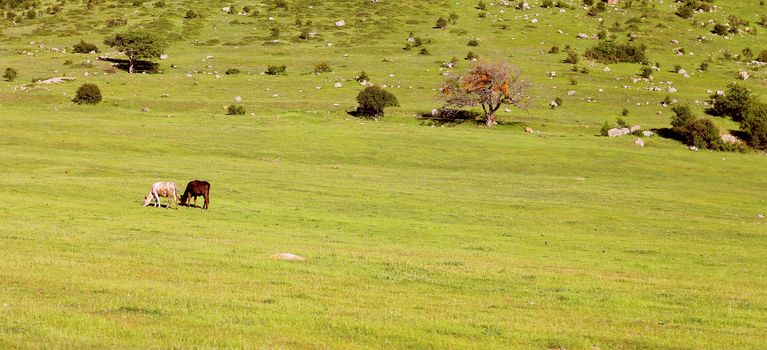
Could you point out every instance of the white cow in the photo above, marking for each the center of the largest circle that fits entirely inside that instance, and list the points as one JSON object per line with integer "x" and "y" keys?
{"x": 162, "y": 189}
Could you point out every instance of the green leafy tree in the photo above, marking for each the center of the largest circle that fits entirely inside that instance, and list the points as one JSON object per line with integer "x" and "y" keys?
{"x": 372, "y": 101}
{"x": 137, "y": 45}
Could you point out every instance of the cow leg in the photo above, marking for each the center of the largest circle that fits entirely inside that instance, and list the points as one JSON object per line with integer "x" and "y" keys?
{"x": 157, "y": 199}
{"x": 205, "y": 196}
{"x": 195, "y": 201}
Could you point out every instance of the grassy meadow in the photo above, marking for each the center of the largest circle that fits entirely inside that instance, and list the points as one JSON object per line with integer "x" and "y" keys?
{"x": 415, "y": 236}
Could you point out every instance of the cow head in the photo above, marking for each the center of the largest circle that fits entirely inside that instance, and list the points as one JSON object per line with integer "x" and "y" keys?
{"x": 147, "y": 199}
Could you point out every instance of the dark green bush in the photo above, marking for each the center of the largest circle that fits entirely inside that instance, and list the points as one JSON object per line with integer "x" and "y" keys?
{"x": 10, "y": 74}
{"x": 572, "y": 57}
{"x": 646, "y": 72}
{"x": 83, "y": 47}
{"x": 362, "y": 77}
{"x": 734, "y": 103}
{"x": 274, "y": 70}
{"x": 754, "y": 126}
{"x": 611, "y": 52}
{"x": 235, "y": 110}
{"x": 720, "y": 29}
{"x": 87, "y": 94}
{"x": 232, "y": 71}
{"x": 441, "y": 23}
{"x": 191, "y": 14}
{"x": 693, "y": 131}
{"x": 372, "y": 101}
{"x": 473, "y": 42}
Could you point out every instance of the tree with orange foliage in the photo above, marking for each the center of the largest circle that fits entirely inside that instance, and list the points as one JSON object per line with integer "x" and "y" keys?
{"x": 489, "y": 86}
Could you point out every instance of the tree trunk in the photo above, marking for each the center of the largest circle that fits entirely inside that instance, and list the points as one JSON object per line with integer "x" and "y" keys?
{"x": 490, "y": 119}
{"x": 130, "y": 66}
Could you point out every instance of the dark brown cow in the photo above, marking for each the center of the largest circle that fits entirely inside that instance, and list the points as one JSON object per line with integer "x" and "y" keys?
{"x": 196, "y": 188}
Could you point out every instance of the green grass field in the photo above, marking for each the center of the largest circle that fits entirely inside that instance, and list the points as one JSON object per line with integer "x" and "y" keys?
{"x": 415, "y": 237}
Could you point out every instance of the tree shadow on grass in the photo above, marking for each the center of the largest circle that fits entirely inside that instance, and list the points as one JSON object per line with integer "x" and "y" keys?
{"x": 138, "y": 67}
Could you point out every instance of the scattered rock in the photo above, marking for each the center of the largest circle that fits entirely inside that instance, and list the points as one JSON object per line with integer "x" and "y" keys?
{"x": 287, "y": 257}
{"x": 164, "y": 56}
{"x": 648, "y": 133}
{"x": 56, "y": 80}
{"x": 340, "y": 23}
{"x": 529, "y": 130}
{"x": 552, "y": 74}
{"x": 693, "y": 148}
{"x": 639, "y": 142}
{"x": 145, "y": 109}
{"x": 743, "y": 75}
{"x": 732, "y": 139}
{"x": 761, "y": 216}
{"x": 237, "y": 98}
{"x": 338, "y": 85}
{"x": 635, "y": 128}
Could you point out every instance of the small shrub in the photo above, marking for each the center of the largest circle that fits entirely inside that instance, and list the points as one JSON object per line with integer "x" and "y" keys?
{"x": 281, "y": 4}
{"x": 605, "y": 128}
{"x": 646, "y": 72}
{"x": 322, "y": 67}
{"x": 762, "y": 56}
{"x": 573, "y": 81}
{"x": 424, "y": 51}
{"x": 481, "y": 6}
{"x": 677, "y": 68}
{"x": 554, "y": 49}
{"x": 453, "y": 18}
{"x": 274, "y": 32}
{"x": 372, "y": 101}
{"x": 746, "y": 54}
{"x": 720, "y": 29}
{"x": 87, "y": 94}
{"x": 441, "y": 23}
{"x": 83, "y": 47}
{"x": 703, "y": 66}
{"x": 625, "y": 112}
{"x": 232, "y": 71}
{"x": 471, "y": 56}
{"x": 621, "y": 123}
{"x": 274, "y": 70}
{"x": 10, "y": 74}
{"x": 572, "y": 57}
{"x": 558, "y": 101}
{"x": 682, "y": 116}
{"x": 191, "y": 14}
{"x": 473, "y": 42}
{"x": 363, "y": 76}
{"x": 235, "y": 110}
{"x": 116, "y": 22}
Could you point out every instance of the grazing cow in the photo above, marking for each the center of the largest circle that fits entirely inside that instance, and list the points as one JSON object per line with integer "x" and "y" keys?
{"x": 196, "y": 188}
{"x": 162, "y": 189}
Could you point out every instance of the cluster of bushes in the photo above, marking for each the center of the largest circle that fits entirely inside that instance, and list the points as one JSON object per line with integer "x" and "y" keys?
{"x": 559, "y": 4}
{"x": 619, "y": 124}
{"x": 694, "y": 131}
{"x": 689, "y": 7}
{"x": 734, "y": 25}
{"x": 612, "y": 52}
{"x": 739, "y": 104}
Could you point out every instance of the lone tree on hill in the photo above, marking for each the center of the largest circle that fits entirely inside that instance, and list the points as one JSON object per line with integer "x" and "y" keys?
{"x": 489, "y": 86}
{"x": 137, "y": 45}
